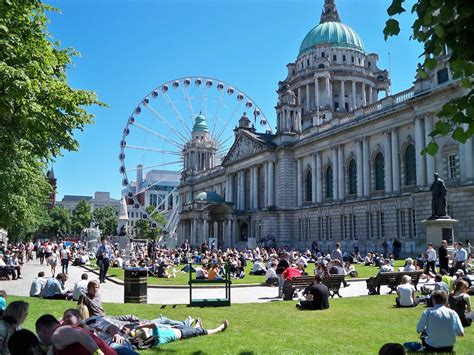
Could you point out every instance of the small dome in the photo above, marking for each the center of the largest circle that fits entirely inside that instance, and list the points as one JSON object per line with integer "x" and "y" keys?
{"x": 209, "y": 197}
{"x": 200, "y": 124}
{"x": 335, "y": 34}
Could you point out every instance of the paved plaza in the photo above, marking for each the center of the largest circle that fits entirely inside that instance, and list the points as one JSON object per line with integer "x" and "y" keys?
{"x": 113, "y": 292}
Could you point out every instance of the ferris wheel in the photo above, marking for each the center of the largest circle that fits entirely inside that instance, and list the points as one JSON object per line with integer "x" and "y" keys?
{"x": 160, "y": 125}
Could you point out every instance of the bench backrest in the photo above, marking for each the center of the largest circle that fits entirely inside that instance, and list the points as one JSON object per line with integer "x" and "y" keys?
{"x": 385, "y": 278}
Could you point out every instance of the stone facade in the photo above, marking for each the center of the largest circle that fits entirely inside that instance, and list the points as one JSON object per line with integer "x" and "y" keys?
{"x": 344, "y": 164}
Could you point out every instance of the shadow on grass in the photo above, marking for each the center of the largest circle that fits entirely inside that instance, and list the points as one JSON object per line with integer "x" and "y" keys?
{"x": 168, "y": 306}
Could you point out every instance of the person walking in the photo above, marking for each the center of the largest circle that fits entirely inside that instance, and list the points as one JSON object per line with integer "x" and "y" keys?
{"x": 65, "y": 254}
{"x": 431, "y": 260}
{"x": 103, "y": 255}
{"x": 443, "y": 256}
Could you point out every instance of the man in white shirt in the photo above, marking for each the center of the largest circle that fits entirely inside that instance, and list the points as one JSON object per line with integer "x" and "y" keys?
{"x": 461, "y": 258}
{"x": 258, "y": 267}
{"x": 406, "y": 293}
{"x": 271, "y": 277}
{"x": 430, "y": 265}
{"x": 80, "y": 287}
{"x": 37, "y": 285}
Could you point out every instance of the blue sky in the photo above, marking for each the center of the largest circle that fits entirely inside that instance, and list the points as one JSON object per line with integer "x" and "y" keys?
{"x": 129, "y": 47}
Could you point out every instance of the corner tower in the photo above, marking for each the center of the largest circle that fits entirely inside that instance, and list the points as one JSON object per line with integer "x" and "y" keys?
{"x": 332, "y": 74}
{"x": 199, "y": 154}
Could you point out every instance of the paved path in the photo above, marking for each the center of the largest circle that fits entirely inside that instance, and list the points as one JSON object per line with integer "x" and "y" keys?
{"x": 111, "y": 292}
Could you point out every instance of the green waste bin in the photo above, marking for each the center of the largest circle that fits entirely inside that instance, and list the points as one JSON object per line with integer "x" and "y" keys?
{"x": 136, "y": 283}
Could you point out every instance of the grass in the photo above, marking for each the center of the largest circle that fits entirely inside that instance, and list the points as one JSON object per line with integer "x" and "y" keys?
{"x": 350, "y": 326}
{"x": 183, "y": 278}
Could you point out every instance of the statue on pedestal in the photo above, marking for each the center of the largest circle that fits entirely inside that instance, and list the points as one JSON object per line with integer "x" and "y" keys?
{"x": 438, "y": 200}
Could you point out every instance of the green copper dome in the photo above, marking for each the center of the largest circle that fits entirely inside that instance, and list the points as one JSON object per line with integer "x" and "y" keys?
{"x": 200, "y": 124}
{"x": 335, "y": 34}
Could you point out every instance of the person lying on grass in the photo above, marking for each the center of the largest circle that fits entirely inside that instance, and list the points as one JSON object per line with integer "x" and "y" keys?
{"x": 158, "y": 334}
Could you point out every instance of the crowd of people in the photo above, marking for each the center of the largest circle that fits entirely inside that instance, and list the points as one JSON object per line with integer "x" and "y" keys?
{"x": 448, "y": 297}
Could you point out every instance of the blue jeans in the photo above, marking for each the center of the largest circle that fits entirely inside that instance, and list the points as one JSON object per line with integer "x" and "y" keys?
{"x": 162, "y": 320}
{"x": 190, "y": 332}
{"x": 123, "y": 349}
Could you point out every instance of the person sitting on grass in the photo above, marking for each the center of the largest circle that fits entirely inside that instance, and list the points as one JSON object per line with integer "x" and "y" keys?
{"x": 350, "y": 269}
{"x": 317, "y": 296}
{"x": 214, "y": 273}
{"x": 201, "y": 272}
{"x": 271, "y": 276}
{"x": 439, "y": 325}
{"x": 163, "y": 270}
{"x": 408, "y": 266}
{"x": 37, "y": 285}
{"x": 25, "y": 342}
{"x": 3, "y": 301}
{"x": 91, "y": 299}
{"x": 460, "y": 302}
{"x": 258, "y": 267}
{"x": 55, "y": 288}
{"x": 80, "y": 287}
{"x": 406, "y": 293}
{"x": 163, "y": 335}
{"x": 447, "y": 279}
{"x": 66, "y": 339}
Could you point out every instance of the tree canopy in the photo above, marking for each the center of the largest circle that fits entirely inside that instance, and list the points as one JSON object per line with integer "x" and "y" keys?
{"x": 106, "y": 218}
{"x": 39, "y": 111}
{"x": 441, "y": 25}
{"x": 81, "y": 217}
{"x": 143, "y": 228}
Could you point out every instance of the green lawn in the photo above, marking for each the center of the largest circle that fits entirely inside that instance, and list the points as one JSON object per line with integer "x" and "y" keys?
{"x": 182, "y": 278}
{"x": 351, "y": 326}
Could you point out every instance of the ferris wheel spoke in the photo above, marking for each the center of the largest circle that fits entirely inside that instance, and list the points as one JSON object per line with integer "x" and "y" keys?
{"x": 222, "y": 142}
{"x": 188, "y": 102}
{"x": 178, "y": 114}
{"x": 167, "y": 123}
{"x": 218, "y": 111}
{"x": 157, "y": 134}
{"x": 231, "y": 117}
{"x": 157, "y": 150}
{"x": 204, "y": 101}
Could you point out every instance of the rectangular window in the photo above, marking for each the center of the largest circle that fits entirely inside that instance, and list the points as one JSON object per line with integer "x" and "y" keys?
{"x": 153, "y": 200}
{"x": 354, "y": 225}
{"x": 328, "y": 227}
{"x": 442, "y": 75}
{"x": 382, "y": 225}
{"x": 334, "y": 58}
{"x": 413, "y": 223}
{"x": 343, "y": 58}
{"x": 323, "y": 54}
{"x": 343, "y": 230}
{"x": 453, "y": 166}
{"x": 367, "y": 224}
{"x": 352, "y": 59}
{"x": 403, "y": 224}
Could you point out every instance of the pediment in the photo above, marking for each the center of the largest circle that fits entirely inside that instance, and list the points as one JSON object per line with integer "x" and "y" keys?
{"x": 244, "y": 146}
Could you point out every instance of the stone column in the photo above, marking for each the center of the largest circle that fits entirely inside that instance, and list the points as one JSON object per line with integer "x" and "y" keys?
{"x": 395, "y": 160}
{"x": 205, "y": 230}
{"x": 229, "y": 233}
{"x": 316, "y": 92}
{"x": 420, "y": 159}
{"x": 271, "y": 200}
{"x": 251, "y": 192}
{"x": 340, "y": 172}
{"x": 328, "y": 91}
{"x": 239, "y": 191}
{"x": 371, "y": 98}
{"x": 430, "y": 163}
{"x": 364, "y": 95}
{"x": 365, "y": 165}
{"x": 468, "y": 156}
{"x": 299, "y": 95}
{"x": 299, "y": 182}
{"x": 313, "y": 180}
{"x": 227, "y": 188}
{"x": 231, "y": 188}
{"x": 255, "y": 187}
{"x": 335, "y": 175}
{"x": 308, "y": 100}
{"x": 360, "y": 177}
{"x": 342, "y": 101}
{"x": 319, "y": 178}
{"x": 354, "y": 96}
{"x": 387, "y": 162}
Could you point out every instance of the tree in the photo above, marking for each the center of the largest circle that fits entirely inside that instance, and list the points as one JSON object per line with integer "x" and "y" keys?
{"x": 441, "y": 25}
{"x": 81, "y": 216}
{"x": 60, "y": 220}
{"x": 39, "y": 111}
{"x": 106, "y": 218}
{"x": 143, "y": 227}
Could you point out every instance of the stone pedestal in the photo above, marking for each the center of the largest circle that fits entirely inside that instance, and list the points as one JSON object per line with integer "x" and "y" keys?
{"x": 438, "y": 230}
{"x": 252, "y": 243}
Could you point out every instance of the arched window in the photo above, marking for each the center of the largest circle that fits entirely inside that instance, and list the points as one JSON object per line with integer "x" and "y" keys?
{"x": 379, "y": 172}
{"x": 352, "y": 177}
{"x": 410, "y": 165}
{"x": 329, "y": 180}
{"x": 308, "y": 196}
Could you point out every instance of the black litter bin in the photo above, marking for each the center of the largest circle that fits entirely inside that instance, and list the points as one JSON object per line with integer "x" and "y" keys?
{"x": 136, "y": 283}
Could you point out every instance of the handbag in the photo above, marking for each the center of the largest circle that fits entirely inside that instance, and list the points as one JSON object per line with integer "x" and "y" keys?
{"x": 83, "y": 310}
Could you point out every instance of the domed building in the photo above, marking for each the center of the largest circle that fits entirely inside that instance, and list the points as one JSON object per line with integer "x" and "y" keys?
{"x": 344, "y": 164}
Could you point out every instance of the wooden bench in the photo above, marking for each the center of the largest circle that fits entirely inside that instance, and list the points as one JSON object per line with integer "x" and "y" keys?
{"x": 333, "y": 282}
{"x": 392, "y": 280}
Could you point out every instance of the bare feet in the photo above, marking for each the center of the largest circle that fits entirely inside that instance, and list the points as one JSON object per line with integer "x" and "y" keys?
{"x": 224, "y": 325}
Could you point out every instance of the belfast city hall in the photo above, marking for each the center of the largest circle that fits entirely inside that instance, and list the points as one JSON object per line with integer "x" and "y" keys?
{"x": 344, "y": 163}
